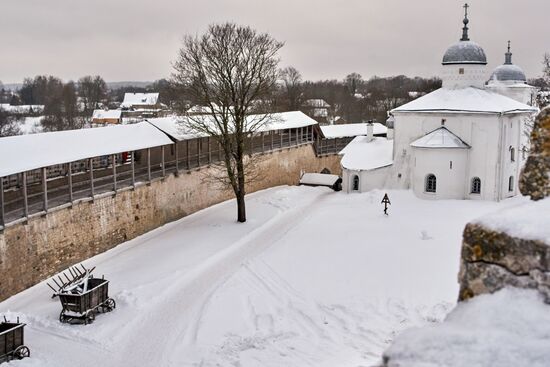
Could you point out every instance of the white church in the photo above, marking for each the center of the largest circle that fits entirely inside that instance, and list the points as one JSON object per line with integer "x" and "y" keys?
{"x": 462, "y": 141}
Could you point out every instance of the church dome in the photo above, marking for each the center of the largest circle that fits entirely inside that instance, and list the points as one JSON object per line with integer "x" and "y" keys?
{"x": 465, "y": 52}
{"x": 508, "y": 72}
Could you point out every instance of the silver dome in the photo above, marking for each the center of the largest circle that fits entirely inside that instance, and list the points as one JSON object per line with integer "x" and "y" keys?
{"x": 465, "y": 52}
{"x": 504, "y": 73}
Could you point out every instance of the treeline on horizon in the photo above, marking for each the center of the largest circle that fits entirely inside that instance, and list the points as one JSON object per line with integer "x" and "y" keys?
{"x": 69, "y": 105}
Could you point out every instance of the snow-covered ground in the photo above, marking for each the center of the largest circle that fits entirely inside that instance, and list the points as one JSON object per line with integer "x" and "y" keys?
{"x": 314, "y": 278}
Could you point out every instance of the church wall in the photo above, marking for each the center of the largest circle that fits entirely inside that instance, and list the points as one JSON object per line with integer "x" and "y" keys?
{"x": 511, "y": 168}
{"x": 450, "y": 176}
{"x": 480, "y": 131}
{"x": 44, "y": 245}
{"x": 368, "y": 180}
{"x": 460, "y": 76}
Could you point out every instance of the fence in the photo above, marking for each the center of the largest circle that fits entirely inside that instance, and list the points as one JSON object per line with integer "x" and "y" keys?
{"x": 36, "y": 192}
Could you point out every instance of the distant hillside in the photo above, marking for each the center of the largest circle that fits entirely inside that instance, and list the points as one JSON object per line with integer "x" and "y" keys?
{"x": 110, "y": 85}
{"x": 115, "y": 85}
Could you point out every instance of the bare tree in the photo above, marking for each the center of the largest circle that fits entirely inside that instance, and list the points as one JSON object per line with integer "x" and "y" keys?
{"x": 228, "y": 70}
{"x": 92, "y": 90}
{"x": 292, "y": 80}
{"x": 353, "y": 81}
{"x": 8, "y": 124}
{"x": 546, "y": 68}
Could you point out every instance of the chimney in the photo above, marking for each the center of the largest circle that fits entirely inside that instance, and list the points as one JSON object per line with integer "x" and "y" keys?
{"x": 370, "y": 131}
{"x": 390, "y": 124}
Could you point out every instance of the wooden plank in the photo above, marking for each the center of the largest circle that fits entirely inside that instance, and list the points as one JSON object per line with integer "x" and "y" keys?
{"x": 188, "y": 159}
{"x": 263, "y": 142}
{"x": 91, "y": 163}
{"x": 133, "y": 163}
{"x": 113, "y": 158}
{"x": 176, "y": 152}
{"x": 70, "y": 178}
{"x": 199, "y": 152}
{"x": 44, "y": 189}
{"x": 25, "y": 196}
{"x": 2, "y": 218}
{"x": 162, "y": 161}
{"x": 149, "y": 165}
{"x": 209, "y": 152}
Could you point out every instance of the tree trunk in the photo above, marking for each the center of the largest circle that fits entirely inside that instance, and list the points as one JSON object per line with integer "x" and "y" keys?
{"x": 241, "y": 208}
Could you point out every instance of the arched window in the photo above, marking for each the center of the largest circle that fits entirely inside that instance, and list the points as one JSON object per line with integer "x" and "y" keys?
{"x": 511, "y": 184}
{"x": 476, "y": 185}
{"x": 355, "y": 183}
{"x": 431, "y": 183}
{"x": 512, "y": 154}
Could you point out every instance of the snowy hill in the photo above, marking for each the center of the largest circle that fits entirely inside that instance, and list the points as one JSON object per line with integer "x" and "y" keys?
{"x": 314, "y": 278}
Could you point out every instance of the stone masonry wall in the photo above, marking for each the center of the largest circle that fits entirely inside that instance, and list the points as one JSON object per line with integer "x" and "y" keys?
{"x": 492, "y": 260}
{"x": 31, "y": 252}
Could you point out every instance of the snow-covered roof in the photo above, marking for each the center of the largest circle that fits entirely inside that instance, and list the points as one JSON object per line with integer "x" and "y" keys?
{"x": 35, "y": 108}
{"x": 175, "y": 126}
{"x": 468, "y": 99}
{"x": 317, "y": 103}
{"x": 131, "y": 99}
{"x": 46, "y": 149}
{"x": 107, "y": 114}
{"x": 360, "y": 154}
{"x": 320, "y": 179}
{"x": 349, "y": 130}
{"x": 440, "y": 138}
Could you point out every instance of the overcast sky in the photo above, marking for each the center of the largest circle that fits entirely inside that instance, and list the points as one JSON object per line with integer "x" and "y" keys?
{"x": 137, "y": 40}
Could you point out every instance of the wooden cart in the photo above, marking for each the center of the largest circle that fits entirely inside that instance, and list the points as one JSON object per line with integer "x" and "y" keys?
{"x": 12, "y": 341}
{"x": 82, "y": 307}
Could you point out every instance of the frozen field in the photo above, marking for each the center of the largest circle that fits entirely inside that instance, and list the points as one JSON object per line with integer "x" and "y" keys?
{"x": 314, "y": 278}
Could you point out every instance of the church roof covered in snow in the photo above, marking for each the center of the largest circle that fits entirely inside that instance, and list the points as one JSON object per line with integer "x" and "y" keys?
{"x": 178, "y": 128}
{"x": 45, "y": 149}
{"x": 349, "y": 130}
{"x": 440, "y": 138}
{"x": 470, "y": 99}
{"x": 362, "y": 155}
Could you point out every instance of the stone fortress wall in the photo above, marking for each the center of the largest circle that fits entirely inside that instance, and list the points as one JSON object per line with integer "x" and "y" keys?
{"x": 45, "y": 245}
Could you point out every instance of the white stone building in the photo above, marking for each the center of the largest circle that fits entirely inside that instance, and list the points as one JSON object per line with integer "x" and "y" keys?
{"x": 462, "y": 141}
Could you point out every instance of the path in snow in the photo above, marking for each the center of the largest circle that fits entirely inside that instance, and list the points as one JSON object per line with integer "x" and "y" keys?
{"x": 314, "y": 278}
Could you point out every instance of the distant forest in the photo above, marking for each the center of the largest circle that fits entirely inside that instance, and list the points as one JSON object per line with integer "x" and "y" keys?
{"x": 69, "y": 105}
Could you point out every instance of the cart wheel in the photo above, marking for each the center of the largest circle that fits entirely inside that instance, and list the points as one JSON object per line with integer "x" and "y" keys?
{"x": 62, "y": 318}
{"x": 89, "y": 317}
{"x": 109, "y": 304}
{"x": 21, "y": 352}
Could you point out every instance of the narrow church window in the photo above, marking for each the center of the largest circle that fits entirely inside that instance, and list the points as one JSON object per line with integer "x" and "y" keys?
{"x": 476, "y": 185}
{"x": 355, "y": 183}
{"x": 450, "y": 164}
{"x": 443, "y": 122}
{"x": 511, "y": 184}
{"x": 512, "y": 154}
{"x": 431, "y": 183}
{"x": 461, "y": 71}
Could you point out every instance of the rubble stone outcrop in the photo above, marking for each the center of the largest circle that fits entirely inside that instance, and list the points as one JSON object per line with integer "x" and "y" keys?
{"x": 535, "y": 178}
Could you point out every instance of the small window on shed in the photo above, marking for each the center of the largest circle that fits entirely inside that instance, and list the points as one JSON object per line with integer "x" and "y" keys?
{"x": 431, "y": 183}
{"x": 355, "y": 183}
{"x": 476, "y": 185}
{"x": 461, "y": 71}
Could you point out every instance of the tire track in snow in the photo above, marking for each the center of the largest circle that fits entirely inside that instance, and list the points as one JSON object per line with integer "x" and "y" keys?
{"x": 191, "y": 294}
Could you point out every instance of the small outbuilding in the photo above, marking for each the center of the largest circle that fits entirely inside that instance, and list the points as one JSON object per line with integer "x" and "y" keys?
{"x": 321, "y": 179}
